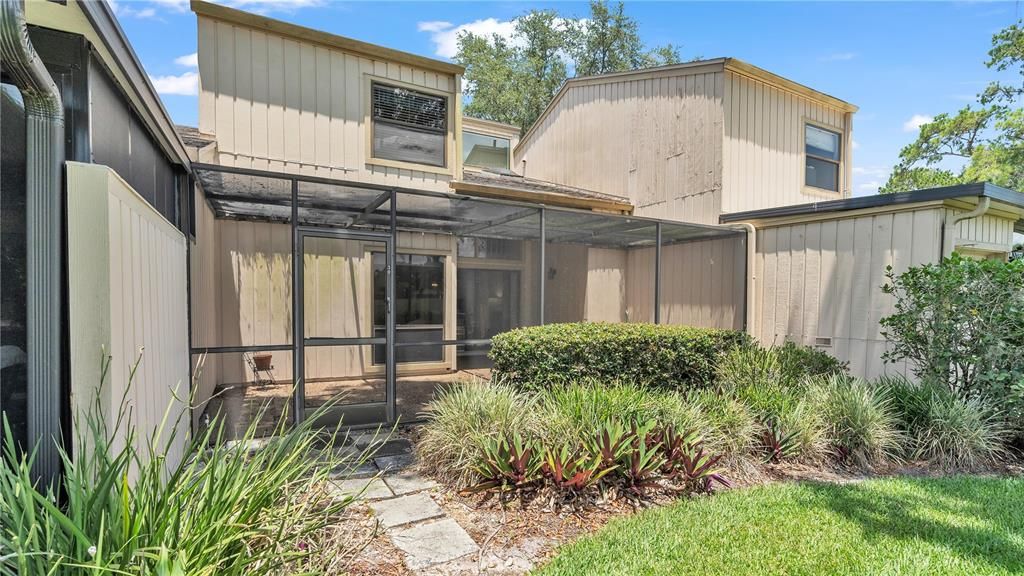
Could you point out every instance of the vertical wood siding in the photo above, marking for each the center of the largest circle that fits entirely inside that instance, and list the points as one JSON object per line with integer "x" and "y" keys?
{"x": 702, "y": 284}
{"x": 127, "y": 293}
{"x": 763, "y": 152}
{"x": 656, "y": 140}
{"x": 246, "y": 293}
{"x": 982, "y": 234}
{"x": 822, "y": 280}
{"x": 275, "y": 103}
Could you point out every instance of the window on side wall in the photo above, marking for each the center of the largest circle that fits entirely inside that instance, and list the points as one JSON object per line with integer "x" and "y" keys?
{"x": 409, "y": 126}
{"x": 822, "y": 154}
{"x": 484, "y": 151}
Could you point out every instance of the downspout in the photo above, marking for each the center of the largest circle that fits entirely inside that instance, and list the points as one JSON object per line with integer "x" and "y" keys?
{"x": 751, "y": 287}
{"x": 44, "y": 143}
{"x": 949, "y": 230}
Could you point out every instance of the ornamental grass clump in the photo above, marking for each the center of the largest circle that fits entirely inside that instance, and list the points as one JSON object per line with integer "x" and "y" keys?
{"x": 224, "y": 510}
{"x": 465, "y": 419}
{"x": 789, "y": 425}
{"x": 944, "y": 429}
{"x": 862, "y": 424}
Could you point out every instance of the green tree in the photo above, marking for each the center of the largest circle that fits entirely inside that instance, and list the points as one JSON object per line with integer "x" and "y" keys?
{"x": 513, "y": 80}
{"x": 986, "y": 139}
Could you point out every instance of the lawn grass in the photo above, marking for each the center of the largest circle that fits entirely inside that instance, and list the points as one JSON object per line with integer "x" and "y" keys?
{"x": 958, "y": 525}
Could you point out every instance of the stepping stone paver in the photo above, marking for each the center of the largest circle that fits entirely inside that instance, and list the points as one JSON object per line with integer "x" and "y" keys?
{"x": 432, "y": 543}
{"x": 376, "y": 489}
{"x": 394, "y": 463}
{"x": 406, "y": 510}
{"x": 348, "y": 470}
{"x": 407, "y": 482}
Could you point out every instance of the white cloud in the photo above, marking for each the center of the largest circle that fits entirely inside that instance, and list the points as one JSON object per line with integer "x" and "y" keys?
{"x": 875, "y": 172}
{"x": 188, "y": 60}
{"x": 868, "y": 179}
{"x": 131, "y": 10}
{"x": 837, "y": 57}
{"x": 869, "y": 187}
{"x": 854, "y": 144}
{"x": 445, "y": 35}
{"x": 433, "y": 26}
{"x": 915, "y": 122}
{"x": 186, "y": 84}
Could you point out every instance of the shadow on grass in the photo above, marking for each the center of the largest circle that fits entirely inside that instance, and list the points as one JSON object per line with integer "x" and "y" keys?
{"x": 950, "y": 513}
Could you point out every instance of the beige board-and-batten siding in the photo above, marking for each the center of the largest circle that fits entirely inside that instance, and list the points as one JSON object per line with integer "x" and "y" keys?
{"x": 243, "y": 273}
{"x": 764, "y": 160}
{"x": 655, "y": 138}
{"x": 702, "y": 284}
{"x": 277, "y": 102}
{"x": 819, "y": 281}
{"x": 127, "y": 286}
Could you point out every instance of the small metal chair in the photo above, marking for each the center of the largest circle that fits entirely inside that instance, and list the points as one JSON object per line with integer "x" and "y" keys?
{"x": 261, "y": 375}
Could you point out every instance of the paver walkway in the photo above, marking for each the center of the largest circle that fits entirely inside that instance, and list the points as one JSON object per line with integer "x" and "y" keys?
{"x": 400, "y": 498}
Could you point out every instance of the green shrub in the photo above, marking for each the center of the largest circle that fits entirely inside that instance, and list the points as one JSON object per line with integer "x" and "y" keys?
{"x": 799, "y": 362}
{"x": 860, "y": 420}
{"x": 466, "y": 418}
{"x": 671, "y": 357}
{"x": 225, "y": 510}
{"x": 959, "y": 322}
{"x": 944, "y": 429}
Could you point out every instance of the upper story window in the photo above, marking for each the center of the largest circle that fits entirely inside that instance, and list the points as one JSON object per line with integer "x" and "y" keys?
{"x": 484, "y": 151}
{"x": 409, "y": 126}
{"x": 821, "y": 148}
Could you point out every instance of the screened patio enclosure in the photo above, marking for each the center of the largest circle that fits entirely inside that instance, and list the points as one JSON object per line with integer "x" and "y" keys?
{"x": 306, "y": 290}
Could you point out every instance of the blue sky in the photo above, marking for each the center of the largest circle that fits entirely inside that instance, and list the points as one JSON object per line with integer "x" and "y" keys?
{"x": 900, "y": 63}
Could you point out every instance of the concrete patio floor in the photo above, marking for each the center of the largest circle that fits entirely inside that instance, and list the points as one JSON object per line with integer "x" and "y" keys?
{"x": 241, "y": 404}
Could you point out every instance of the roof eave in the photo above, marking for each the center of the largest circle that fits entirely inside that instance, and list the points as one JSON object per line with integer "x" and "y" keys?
{"x": 977, "y": 190}
{"x": 234, "y": 16}
{"x": 737, "y": 66}
{"x": 548, "y": 199}
{"x": 105, "y": 23}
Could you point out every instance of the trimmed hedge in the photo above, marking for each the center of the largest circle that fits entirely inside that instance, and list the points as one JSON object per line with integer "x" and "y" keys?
{"x": 660, "y": 356}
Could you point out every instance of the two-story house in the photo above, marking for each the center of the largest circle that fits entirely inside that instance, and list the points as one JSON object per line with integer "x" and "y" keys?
{"x": 722, "y": 141}
{"x": 358, "y": 236}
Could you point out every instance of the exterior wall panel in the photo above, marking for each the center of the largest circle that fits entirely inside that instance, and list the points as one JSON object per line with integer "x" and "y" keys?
{"x": 655, "y": 139}
{"x": 819, "y": 282}
{"x": 276, "y": 103}
{"x": 702, "y": 284}
{"x": 127, "y": 290}
{"x": 763, "y": 149}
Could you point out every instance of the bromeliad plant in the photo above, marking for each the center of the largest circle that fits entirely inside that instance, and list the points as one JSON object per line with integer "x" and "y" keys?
{"x": 687, "y": 461}
{"x": 509, "y": 464}
{"x": 779, "y": 444}
{"x": 570, "y": 474}
{"x": 642, "y": 461}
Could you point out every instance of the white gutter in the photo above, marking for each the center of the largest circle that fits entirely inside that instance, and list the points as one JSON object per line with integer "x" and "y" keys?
{"x": 751, "y": 287}
{"x": 949, "y": 230}
{"x": 44, "y": 155}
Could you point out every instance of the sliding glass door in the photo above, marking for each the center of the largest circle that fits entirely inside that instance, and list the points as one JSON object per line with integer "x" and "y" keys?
{"x": 419, "y": 307}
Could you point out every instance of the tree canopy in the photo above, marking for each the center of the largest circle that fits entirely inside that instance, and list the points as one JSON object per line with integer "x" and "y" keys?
{"x": 985, "y": 138}
{"x": 512, "y": 80}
